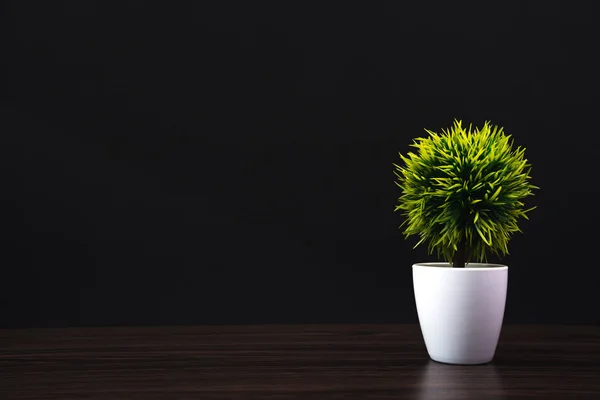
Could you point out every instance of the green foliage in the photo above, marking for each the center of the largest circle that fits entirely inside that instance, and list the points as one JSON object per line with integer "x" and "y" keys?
{"x": 464, "y": 188}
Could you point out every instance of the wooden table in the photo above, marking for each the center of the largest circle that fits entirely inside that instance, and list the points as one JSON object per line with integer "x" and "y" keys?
{"x": 290, "y": 362}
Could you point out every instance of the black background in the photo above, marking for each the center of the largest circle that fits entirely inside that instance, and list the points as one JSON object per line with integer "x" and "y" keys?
{"x": 231, "y": 162}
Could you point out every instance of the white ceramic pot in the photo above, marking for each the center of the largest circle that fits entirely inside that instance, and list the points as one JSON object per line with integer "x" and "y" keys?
{"x": 460, "y": 310}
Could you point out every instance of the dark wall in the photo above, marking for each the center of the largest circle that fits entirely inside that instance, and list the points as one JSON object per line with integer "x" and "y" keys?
{"x": 228, "y": 162}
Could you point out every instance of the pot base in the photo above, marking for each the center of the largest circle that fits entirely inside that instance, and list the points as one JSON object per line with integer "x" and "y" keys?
{"x": 450, "y": 361}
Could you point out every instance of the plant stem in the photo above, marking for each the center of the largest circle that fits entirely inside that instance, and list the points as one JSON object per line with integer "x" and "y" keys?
{"x": 460, "y": 256}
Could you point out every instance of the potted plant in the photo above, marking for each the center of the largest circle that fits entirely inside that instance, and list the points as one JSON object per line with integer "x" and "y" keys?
{"x": 462, "y": 192}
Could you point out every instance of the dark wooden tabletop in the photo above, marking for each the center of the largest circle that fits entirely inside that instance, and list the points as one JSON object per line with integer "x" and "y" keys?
{"x": 290, "y": 362}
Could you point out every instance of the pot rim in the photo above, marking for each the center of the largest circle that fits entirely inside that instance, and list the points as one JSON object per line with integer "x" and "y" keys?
{"x": 470, "y": 267}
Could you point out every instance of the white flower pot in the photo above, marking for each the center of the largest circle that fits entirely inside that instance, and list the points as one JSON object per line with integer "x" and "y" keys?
{"x": 460, "y": 310}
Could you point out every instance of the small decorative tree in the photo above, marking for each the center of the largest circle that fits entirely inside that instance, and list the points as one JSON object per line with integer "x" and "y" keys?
{"x": 463, "y": 191}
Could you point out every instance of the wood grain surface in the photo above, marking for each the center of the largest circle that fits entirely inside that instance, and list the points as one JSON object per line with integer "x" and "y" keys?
{"x": 290, "y": 362}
